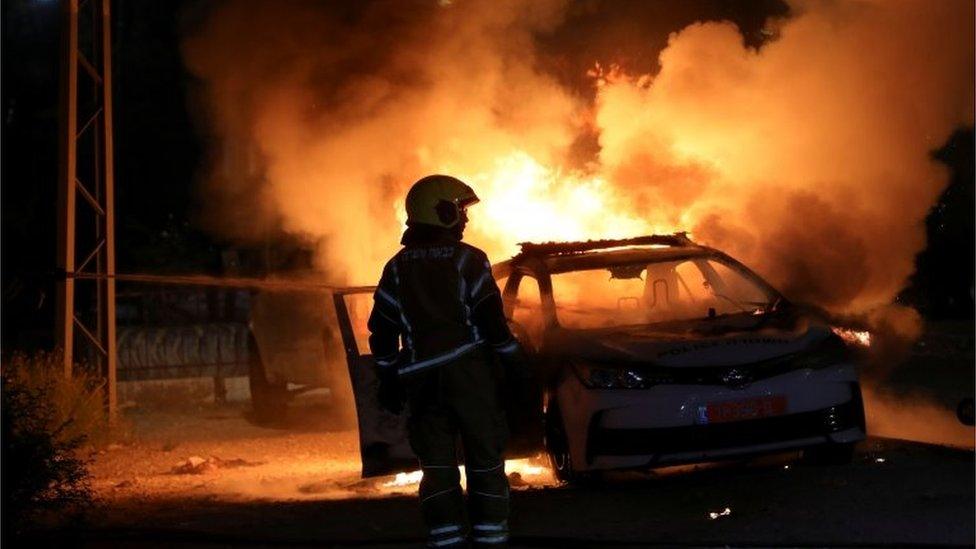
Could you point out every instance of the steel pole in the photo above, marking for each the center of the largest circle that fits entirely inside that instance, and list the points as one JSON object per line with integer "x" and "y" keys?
{"x": 109, "y": 206}
{"x": 64, "y": 332}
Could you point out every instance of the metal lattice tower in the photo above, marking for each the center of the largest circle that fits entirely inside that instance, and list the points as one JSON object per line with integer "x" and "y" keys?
{"x": 86, "y": 227}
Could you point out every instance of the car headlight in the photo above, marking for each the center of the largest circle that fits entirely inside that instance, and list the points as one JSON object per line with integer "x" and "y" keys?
{"x": 602, "y": 377}
{"x": 630, "y": 379}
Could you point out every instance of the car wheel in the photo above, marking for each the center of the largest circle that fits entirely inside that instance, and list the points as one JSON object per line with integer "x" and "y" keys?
{"x": 269, "y": 401}
{"x": 557, "y": 448}
{"x": 829, "y": 454}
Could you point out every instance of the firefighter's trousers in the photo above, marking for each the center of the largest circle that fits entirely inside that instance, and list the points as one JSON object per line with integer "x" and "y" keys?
{"x": 460, "y": 398}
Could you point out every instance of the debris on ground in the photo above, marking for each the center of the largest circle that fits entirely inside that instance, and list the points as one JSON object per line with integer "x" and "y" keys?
{"x": 317, "y": 487}
{"x": 193, "y": 465}
{"x": 358, "y": 486}
{"x": 515, "y": 480}
{"x": 196, "y": 465}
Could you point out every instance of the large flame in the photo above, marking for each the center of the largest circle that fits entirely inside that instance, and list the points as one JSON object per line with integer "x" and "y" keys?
{"x": 524, "y": 200}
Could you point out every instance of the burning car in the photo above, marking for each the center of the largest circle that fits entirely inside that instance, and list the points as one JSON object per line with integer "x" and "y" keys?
{"x": 660, "y": 351}
{"x": 651, "y": 351}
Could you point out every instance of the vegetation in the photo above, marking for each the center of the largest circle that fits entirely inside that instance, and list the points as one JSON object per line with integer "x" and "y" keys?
{"x": 48, "y": 419}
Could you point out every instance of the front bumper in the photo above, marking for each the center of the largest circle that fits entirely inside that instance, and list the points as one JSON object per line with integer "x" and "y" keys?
{"x": 680, "y": 443}
{"x": 624, "y": 429}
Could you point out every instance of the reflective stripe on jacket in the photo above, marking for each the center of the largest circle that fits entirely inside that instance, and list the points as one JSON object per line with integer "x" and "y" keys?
{"x": 436, "y": 301}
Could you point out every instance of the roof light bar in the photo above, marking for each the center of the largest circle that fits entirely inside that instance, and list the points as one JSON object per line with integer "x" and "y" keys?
{"x": 568, "y": 248}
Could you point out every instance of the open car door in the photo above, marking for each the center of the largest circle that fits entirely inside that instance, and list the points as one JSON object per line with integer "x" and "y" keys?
{"x": 383, "y": 436}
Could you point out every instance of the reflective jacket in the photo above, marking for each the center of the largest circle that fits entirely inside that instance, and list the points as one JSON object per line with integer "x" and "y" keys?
{"x": 435, "y": 302}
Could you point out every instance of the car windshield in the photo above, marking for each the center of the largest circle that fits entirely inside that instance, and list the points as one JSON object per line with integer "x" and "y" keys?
{"x": 664, "y": 291}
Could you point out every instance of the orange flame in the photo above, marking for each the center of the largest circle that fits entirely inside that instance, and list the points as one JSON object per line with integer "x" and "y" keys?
{"x": 854, "y": 337}
{"x": 524, "y": 200}
{"x": 529, "y": 472}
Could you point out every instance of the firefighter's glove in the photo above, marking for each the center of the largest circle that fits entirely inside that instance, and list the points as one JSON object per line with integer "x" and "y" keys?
{"x": 390, "y": 392}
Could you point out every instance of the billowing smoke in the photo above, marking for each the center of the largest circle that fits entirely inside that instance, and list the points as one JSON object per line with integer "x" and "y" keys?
{"x": 809, "y": 158}
{"x": 346, "y": 104}
{"x": 917, "y": 417}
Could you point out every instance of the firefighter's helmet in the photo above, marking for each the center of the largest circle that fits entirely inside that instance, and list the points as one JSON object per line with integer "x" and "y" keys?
{"x": 438, "y": 200}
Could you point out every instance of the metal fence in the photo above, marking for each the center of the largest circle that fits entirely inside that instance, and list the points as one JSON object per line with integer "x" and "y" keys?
{"x": 169, "y": 332}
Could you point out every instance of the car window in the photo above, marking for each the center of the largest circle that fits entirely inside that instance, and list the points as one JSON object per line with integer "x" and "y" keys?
{"x": 656, "y": 292}
{"x": 738, "y": 287}
{"x": 359, "y": 306}
{"x": 692, "y": 285}
{"x": 527, "y": 312}
{"x": 501, "y": 282}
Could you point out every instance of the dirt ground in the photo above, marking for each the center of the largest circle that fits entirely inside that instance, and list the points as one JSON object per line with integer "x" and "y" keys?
{"x": 300, "y": 487}
{"x": 311, "y": 458}
{"x": 195, "y": 474}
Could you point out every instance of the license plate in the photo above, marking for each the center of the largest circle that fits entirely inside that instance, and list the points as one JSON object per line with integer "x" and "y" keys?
{"x": 740, "y": 410}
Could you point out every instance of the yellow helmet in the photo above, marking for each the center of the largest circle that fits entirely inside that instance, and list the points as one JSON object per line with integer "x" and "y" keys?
{"x": 438, "y": 200}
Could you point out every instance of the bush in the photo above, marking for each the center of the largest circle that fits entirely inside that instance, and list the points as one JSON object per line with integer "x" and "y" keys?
{"x": 47, "y": 420}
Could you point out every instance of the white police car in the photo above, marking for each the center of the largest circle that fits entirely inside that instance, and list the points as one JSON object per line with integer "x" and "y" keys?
{"x": 659, "y": 351}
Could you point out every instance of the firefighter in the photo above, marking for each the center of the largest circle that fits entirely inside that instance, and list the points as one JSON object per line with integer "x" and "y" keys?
{"x": 436, "y": 322}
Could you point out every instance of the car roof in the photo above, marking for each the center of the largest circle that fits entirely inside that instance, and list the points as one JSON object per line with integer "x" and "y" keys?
{"x": 559, "y": 257}
{"x": 606, "y": 258}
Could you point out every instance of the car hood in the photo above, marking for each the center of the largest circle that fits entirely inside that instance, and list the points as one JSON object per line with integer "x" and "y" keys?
{"x": 715, "y": 342}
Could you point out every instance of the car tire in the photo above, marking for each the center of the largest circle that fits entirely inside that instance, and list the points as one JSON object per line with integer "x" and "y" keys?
{"x": 269, "y": 401}
{"x": 557, "y": 448}
{"x": 829, "y": 454}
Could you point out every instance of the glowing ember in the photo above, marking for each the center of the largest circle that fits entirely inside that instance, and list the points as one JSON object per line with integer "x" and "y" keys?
{"x": 855, "y": 337}
{"x": 723, "y": 513}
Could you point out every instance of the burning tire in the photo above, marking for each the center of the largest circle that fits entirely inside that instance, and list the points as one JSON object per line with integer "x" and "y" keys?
{"x": 269, "y": 400}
